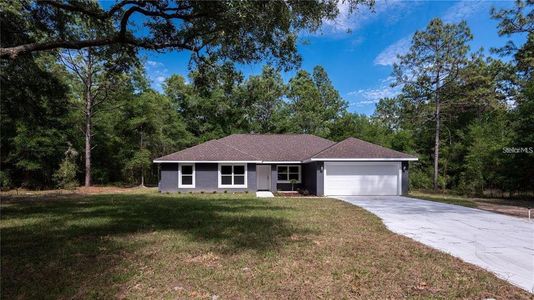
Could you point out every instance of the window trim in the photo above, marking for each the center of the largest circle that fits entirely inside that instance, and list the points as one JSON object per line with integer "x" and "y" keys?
{"x": 232, "y": 186}
{"x": 287, "y": 166}
{"x": 180, "y": 185}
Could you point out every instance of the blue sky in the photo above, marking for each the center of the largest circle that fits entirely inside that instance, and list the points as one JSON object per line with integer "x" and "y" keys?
{"x": 359, "y": 62}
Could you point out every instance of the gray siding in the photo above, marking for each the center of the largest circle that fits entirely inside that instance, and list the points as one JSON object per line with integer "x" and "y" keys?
{"x": 168, "y": 181}
{"x": 319, "y": 170}
{"x": 206, "y": 178}
{"x": 314, "y": 177}
{"x": 309, "y": 176}
{"x": 274, "y": 178}
{"x": 405, "y": 178}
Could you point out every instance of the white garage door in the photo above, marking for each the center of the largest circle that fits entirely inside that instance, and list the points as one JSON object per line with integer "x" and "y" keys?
{"x": 362, "y": 178}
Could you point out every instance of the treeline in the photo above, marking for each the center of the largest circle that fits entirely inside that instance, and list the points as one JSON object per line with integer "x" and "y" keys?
{"x": 90, "y": 117}
{"x": 44, "y": 117}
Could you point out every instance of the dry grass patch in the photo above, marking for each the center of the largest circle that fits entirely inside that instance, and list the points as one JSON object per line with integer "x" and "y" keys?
{"x": 232, "y": 246}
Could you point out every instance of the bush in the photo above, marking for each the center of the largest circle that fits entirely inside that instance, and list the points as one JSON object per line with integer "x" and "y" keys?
{"x": 420, "y": 179}
{"x": 225, "y": 191}
{"x": 5, "y": 181}
{"x": 65, "y": 176}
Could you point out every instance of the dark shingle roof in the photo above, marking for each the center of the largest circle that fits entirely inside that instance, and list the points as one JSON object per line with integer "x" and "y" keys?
{"x": 278, "y": 147}
{"x": 209, "y": 151}
{"x": 281, "y": 147}
{"x": 356, "y": 148}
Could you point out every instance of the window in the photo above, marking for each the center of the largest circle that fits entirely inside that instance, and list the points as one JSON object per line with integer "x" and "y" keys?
{"x": 232, "y": 176}
{"x": 186, "y": 176}
{"x": 287, "y": 173}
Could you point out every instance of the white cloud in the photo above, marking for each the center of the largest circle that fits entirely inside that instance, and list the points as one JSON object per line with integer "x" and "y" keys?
{"x": 464, "y": 9}
{"x": 373, "y": 95}
{"x": 347, "y": 21}
{"x": 157, "y": 73}
{"x": 389, "y": 55}
{"x": 151, "y": 63}
{"x": 454, "y": 14}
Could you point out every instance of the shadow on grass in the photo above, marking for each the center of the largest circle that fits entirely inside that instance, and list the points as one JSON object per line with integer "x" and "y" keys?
{"x": 69, "y": 247}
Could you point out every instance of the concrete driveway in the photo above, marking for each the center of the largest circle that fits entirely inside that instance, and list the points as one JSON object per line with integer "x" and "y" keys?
{"x": 500, "y": 244}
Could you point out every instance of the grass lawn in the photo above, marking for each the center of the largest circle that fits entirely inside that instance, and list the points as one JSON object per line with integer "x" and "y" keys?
{"x": 197, "y": 246}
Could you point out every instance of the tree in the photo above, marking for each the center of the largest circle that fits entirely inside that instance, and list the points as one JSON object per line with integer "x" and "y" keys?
{"x": 210, "y": 104}
{"x": 240, "y": 31}
{"x": 431, "y": 65}
{"x": 149, "y": 127}
{"x": 98, "y": 74}
{"x": 33, "y": 120}
{"x": 517, "y": 20}
{"x": 305, "y": 103}
{"x": 264, "y": 93}
{"x": 314, "y": 102}
{"x": 484, "y": 163}
{"x": 331, "y": 101}
{"x": 520, "y": 20}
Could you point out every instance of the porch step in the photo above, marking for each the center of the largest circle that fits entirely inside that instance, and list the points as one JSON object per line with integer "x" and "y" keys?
{"x": 264, "y": 194}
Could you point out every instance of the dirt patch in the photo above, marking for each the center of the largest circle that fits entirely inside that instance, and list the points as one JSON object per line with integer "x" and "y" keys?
{"x": 511, "y": 207}
{"x": 516, "y": 211}
{"x": 106, "y": 190}
{"x": 93, "y": 190}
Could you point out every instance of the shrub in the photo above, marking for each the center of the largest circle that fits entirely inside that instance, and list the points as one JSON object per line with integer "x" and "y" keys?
{"x": 215, "y": 192}
{"x": 202, "y": 192}
{"x": 293, "y": 182}
{"x": 5, "y": 181}
{"x": 65, "y": 176}
{"x": 420, "y": 179}
{"x": 225, "y": 191}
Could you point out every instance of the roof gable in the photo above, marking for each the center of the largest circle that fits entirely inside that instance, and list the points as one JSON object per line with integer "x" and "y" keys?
{"x": 353, "y": 148}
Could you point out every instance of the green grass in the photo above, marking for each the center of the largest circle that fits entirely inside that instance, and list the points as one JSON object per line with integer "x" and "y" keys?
{"x": 233, "y": 246}
{"x": 445, "y": 198}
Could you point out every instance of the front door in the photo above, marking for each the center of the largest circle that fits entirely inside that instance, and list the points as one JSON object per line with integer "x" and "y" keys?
{"x": 263, "y": 177}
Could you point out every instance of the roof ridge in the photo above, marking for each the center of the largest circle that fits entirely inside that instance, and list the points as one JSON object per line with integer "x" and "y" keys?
{"x": 389, "y": 149}
{"x": 335, "y": 143}
{"x": 218, "y": 141}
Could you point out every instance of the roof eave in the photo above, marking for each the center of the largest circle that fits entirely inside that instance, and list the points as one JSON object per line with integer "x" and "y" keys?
{"x": 363, "y": 159}
{"x": 157, "y": 161}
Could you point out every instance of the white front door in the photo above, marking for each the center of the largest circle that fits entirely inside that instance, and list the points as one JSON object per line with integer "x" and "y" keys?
{"x": 263, "y": 177}
{"x": 362, "y": 178}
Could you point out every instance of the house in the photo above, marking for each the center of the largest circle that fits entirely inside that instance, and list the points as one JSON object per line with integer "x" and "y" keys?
{"x": 272, "y": 162}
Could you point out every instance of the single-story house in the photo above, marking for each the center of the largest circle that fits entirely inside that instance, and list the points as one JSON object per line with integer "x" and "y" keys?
{"x": 275, "y": 162}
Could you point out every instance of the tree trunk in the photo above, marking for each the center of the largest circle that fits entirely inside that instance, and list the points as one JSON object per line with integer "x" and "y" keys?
{"x": 88, "y": 118}
{"x": 436, "y": 144}
{"x": 88, "y": 135}
{"x": 142, "y": 166}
